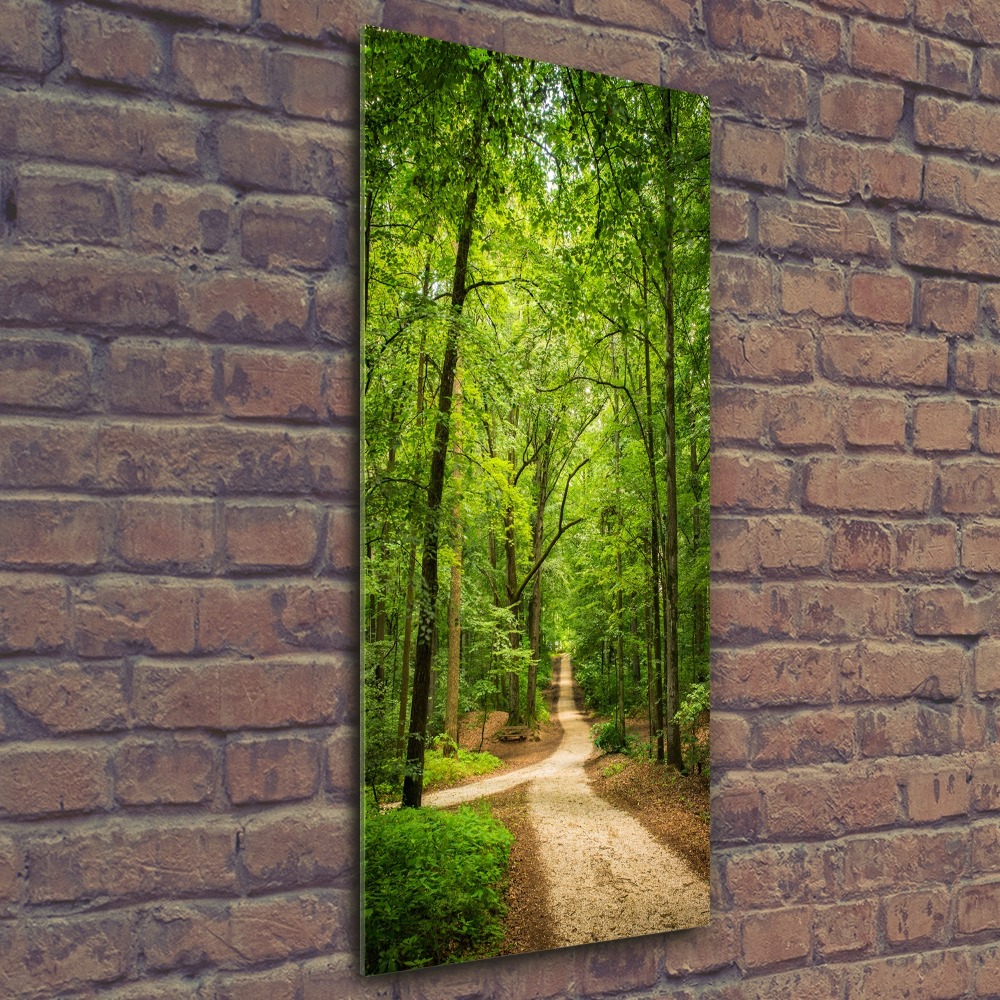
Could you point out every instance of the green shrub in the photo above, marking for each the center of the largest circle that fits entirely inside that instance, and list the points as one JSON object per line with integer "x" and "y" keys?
{"x": 609, "y": 738}
{"x": 433, "y": 886}
{"x": 440, "y": 770}
{"x": 693, "y": 712}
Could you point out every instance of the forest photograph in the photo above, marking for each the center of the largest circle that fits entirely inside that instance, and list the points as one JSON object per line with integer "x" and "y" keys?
{"x": 535, "y": 505}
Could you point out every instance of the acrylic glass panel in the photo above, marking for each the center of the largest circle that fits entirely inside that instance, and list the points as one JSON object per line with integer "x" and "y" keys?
{"x": 535, "y": 505}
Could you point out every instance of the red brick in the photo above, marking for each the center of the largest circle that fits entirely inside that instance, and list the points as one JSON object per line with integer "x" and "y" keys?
{"x": 845, "y": 928}
{"x": 884, "y": 359}
{"x": 730, "y": 216}
{"x": 337, "y": 307}
{"x": 164, "y": 859}
{"x": 103, "y": 46}
{"x": 775, "y": 875}
{"x": 320, "y": 18}
{"x": 269, "y": 536}
{"x": 944, "y": 611}
{"x": 734, "y": 550}
{"x": 926, "y": 548}
{"x": 798, "y": 984}
{"x": 822, "y": 230}
{"x": 977, "y": 369}
{"x": 55, "y": 204}
{"x": 877, "y": 670}
{"x": 800, "y": 420}
{"x": 908, "y": 729}
{"x": 957, "y": 125}
{"x": 50, "y": 372}
{"x": 757, "y": 483}
{"x": 341, "y": 752}
{"x": 222, "y": 70}
{"x": 858, "y": 107}
{"x": 280, "y": 384}
{"x": 299, "y": 158}
{"x": 739, "y": 415}
{"x": 235, "y": 694}
{"x": 117, "y": 615}
{"x": 942, "y": 976}
{"x": 962, "y": 189}
{"x": 887, "y": 50}
{"x": 989, "y": 73}
{"x": 747, "y": 153}
{"x": 283, "y": 232}
{"x": 665, "y": 17}
{"x": 69, "y": 697}
{"x": 847, "y": 611}
{"x": 628, "y": 963}
{"x": 971, "y": 20}
{"x": 876, "y": 864}
{"x": 832, "y": 168}
{"x": 298, "y": 847}
{"x": 891, "y": 174}
{"x": 776, "y": 936}
{"x": 164, "y": 772}
{"x": 272, "y": 770}
{"x": 981, "y": 547}
{"x": 900, "y": 486}
{"x": 100, "y": 131}
{"x": 948, "y": 66}
{"x": 29, "y": 38}
{"x": 935, "y": 794}
{"x": 475, "y": 27}
{"x": 875, "y": 422}
{"x": 163, "y": 534}
{"x": 942, "y": 425}
{"x": 917, "y": 918}
{"x": 282, "y": 983}
{"x": 741, "y": 611}
{"x": 49, "y": 780}
{"x": 807, "y": 737}
{"x": 986, "y": 785}
{"x": 730, "y": 738}
{"x": 987, "y": 659}
{"x": 978, "y": 908}
{"x": 742, "y": 285}
{"x": 991, "y": 310}
{"x": 34, "y": 613}
{"x": 989, "y": 430}
{"x": 248, "y": 307}
{"x": 812, "y": 289}
{"x": 863, "y": 547}
{"x": 343, "y": 555}
{"x": 315, "y": 86}
{"x": 948, "y": 306}
{"x": 772, "y": 675}
{"x": 774, "y": 29}
{"x": 986, "y": 971}
{"x": 155, "y": 377}
{"x": 236, "y": 13}
{"x": 970, "y": 487}
{"x": 881, "y": 298}
{"x": 341, "y": 377}
{"x": 698, "y": 949}
{"x": 244, "y": 932}
{"x": 736, "y": 815}
{"x": 762, "y": 351}
{"x": 772, "y": 89}
{"x": 896, "y": 10}
{"x": 180, "y": 218}
{"x": 69, "y": 533}
{"x": 789, "y": 543}
{"x": 51, "y": 955}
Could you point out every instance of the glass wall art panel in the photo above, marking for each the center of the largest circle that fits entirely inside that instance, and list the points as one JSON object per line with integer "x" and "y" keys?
{"x": 535, "y": 486}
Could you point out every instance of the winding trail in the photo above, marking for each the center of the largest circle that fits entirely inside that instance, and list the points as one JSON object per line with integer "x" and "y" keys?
{"x": 608, "y": 877}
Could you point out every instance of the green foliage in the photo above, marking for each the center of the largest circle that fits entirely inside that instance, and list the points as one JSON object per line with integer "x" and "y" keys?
{"x": 690, "y": 716}
{"x": 433, "y": 886}
{"x": 612, "y": 769}
{"x": 609, "y": 737}
{"x": 441, "y": 771}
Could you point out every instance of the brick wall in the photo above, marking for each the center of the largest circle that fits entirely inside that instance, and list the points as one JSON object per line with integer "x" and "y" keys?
{"x": 178, "y": 489}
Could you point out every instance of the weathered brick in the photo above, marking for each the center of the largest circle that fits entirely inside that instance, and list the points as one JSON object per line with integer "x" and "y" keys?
{"x": 858, "y": 107}
{"x": 822, "y": 230}
{"x": 165, "y": 859}
{"x": 282, "y": 983}
{"x": 943, "y": 611}
{"x": 990, "y": 319}
{"x": 845, "y": 928}
{"x": 236, "y": 13}
{"x": 431, "y": 18}
{"x": 742, "y": 612}
{"x": 117, "y": 615}
{"x": 970, "y": 487}
{"x": 875, "y": 422}
{"x": 771, "y": 88}
{"x": 812, "y": 289}
{"x": 805, "y": 737}
{"x": 248, "y": 307}
{"x": 977, "y": 369}
{"x": 165, "y": 534}
{"x": 222, "y": 70}
{"x": 743, "y": 285}
{"x": 320, "y": 18}
{"x": 942, "y": 975}
{"x": 932, "y": 795}
{"x": 987, "y": 660}
{"x": 770, "y": 675}
{"x": 297, "y": 846}
{"x": 235, "y": 694}
{"x": 49, "y": 780}
{"x": 29, "y": 37}
{"x": 341, "y": 752}
{"x": 886, "y": 49}
{"x": 895, "y": 485}
{"x": 172, "y": 771}
{"x": 69, "y": 697}
{"x": 948, "y": 66}
{"x": 343, "y": 544}
{"x": 44, "y": 371}
{"x": 272, "y": 770}
{"x": 961, "y": 126}
{"x": 762, "y": 351}
{"x": 986, "y": 785}
{"x": 167, "y": 378}
{"x": 730, "y": 737}
{"x": 100, "y": 131}
{"x": 942, "y": 425}
{"x": 43, "y": 533}
{"x": 881, "y": 298}
{"x": 978, "y": 908}
{"x": 962, "y": 189}
{"x": 308, "y": 85}
{"x": 884, "y": 359}
{"x": 908, "y": 729}
{"x": 736, "y": 815}
{"x": 809, "y": 420}
{"x": 337, "y": 307}
{"x": 789, "y": 543}
{"x": 180, "y": 218}
{"x": 896, "y": 10}
{"x": 971, "y": 20}
{"x": 269, "y": 536}
{"x": 948, "y": 306}
{"x": 891, "y": 174}
{"x": 53, "y": 203}
{"x": 665, "y": 17}
{"x": 104, "y": 46}
{"x": 797, "y": 984}
{"x": 34, "y": 613}
{"x": 926, "y": 548}
{"x": 773, "y": 875}
{"x": 873, "y": 671}
{"x": 730, "y": 215}
{"x": 739, "y": 415}
{"x": 986, "y": 971}
{"x": 774, "y": 29}
{"x": 981, "y": 547}
{"x": 989, "y": 73}
{"x": 887, "y": 862}
{"x": 830, "y": 167}
{"x": 747, "y": 153}
{"x": 847, "y": 611}
{"x": 299, "y": 158}
{"x": 756, "y": 483}
{"x": 282, "y": 232}
{"x": 861, "y": 547}
{"x": 917, "y": 918}
{"x": 989, "y": 430}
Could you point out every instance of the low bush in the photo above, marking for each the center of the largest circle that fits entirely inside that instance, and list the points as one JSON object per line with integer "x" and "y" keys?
{"x": 440, "y": 770}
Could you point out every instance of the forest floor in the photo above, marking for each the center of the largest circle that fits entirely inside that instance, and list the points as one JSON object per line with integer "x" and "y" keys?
{"x": 594, "y": 858}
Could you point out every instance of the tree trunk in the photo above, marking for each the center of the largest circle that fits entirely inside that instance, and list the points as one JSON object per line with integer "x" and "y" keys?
{"x": 455, "y": 597}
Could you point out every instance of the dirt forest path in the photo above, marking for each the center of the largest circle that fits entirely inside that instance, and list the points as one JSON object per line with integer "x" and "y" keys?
{"x": 607, "y": 876}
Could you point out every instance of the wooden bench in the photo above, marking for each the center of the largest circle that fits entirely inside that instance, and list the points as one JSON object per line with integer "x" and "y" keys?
{"x": 513, "y": 733}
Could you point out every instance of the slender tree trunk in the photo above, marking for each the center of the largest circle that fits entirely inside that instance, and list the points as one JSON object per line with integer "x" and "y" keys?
{"x": 455, "y": 597}
{"x": 535, "y": 603}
